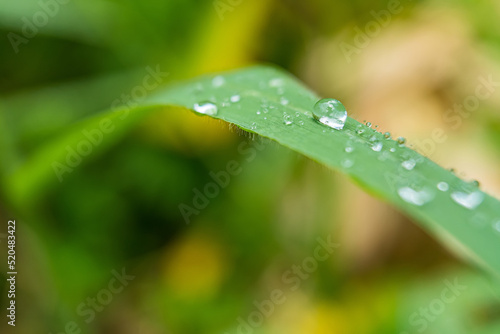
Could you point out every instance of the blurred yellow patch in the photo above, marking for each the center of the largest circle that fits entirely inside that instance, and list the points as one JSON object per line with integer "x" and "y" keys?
{"x": 195, "y": 267}
{"x": 185, "y": 131}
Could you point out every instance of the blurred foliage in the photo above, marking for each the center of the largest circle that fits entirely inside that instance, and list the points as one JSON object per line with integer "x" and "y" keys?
{"x": 119, "y": 208}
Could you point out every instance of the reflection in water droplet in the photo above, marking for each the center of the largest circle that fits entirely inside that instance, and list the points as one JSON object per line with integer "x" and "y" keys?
{"x": 330, "y": 112}
{"x": 469, "y": 201}
{"x": 408, "y": 164}
{"x": 206, "y": 108}
{"x": 414, "y": 197}
{"x": 443, "y": 186}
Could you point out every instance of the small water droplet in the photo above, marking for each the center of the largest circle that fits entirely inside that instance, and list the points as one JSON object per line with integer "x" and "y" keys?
{"x": 276, "y": 82}
{"x": 475, "y": 183}
{"x": 377, "y": 146}
{"x": 496, "y": 226}
{"x": 301, "y": 123}
{"x": 258, "y": 112}
{"x": 408, "y": 164}
{"x": 206, "y": 108}
{"x": 235, "y": 98}
{"x": 369, "y": 124}
{"x": 297, "y": 114}
{"x": 387, "y": 135}
{"x": 265, "y": 117}
{"x": 254, "y": 126}
{"x": 287, "y": 119}
{"x": 443, "y": 186}
{"x": 349, "y": 149}
{"x": 330, "y": 112}
{"x": 218, "y": 81}
{"x": 284, "y": 101}
{"x": 401, "y": 140}
{"x": 468, "y": 200}
{"x": 392, "y": 149}
{"x": 347, "y": 163}
{"x": 360, "y": 132}
{"x": 415, "y": 197}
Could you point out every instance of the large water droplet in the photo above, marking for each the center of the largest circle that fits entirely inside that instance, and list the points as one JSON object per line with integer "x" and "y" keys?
{"x": 443, "y": 186}
{"x": 330, "y": 112}
{"x": 415, "y": 197}
{"x": 468, "y": 201}
{"x": 206, "y": 108}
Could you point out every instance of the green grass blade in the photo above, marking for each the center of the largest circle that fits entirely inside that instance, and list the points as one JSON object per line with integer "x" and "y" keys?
{"x": 265, "y": 94}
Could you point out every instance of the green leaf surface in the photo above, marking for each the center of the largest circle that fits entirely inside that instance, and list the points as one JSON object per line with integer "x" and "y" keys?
{"x": 264, "y": 96}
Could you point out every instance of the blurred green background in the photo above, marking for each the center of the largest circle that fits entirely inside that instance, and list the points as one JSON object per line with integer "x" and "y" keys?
{"x": 400, "y": 65}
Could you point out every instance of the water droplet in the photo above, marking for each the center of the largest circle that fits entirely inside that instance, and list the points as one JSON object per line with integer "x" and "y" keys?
{"x": 349, "y": 149}
{"x": 235, "y": 98}
{"x": 287, "y": 119}
{"x": 369, "y": 124}
{"x": 414, "y": 197}
{"x": 254, "y": 126}
{"x": 258, "y": 112}
{"x": 409, "y": 164}
{"x": 475, "y": 183}
{"x": 301, "y": 123}
{"x": 392, "y": 149}
{"x": 276, "y": 82}
{"x": 297, "y": 114}
{"x": 443, "y": 186}
{"x": 331, "y": 113}
{"x": 206, "y": 108}
{"x": 468, "y": 201}
{"x": 387, "y": 135}
{"x": 360, "y": 131}
{"x": 496, "y": 226}
{"x": 347, "y": 163}
{"x": 265, "y": 117}
{"x": 284, "y": 101}
{"x": 218, "y": 81}
{"x": 401, "y": 140}
{"x": 377, "y": 146}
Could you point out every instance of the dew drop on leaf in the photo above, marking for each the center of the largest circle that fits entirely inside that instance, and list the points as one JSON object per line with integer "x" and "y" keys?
{"x": 206, "y": 108}
{"x": 218, "y": 81}
{"x": 468, "y": 200}
{"x": 401, "y": 140}
{"x": 415, "y": 197}
{"x": 408, "y": 164}
{"x": 330, "y": 112}
{"x": 443, "y": 186}
{"x": 287, "y": 119}
{"x": 235, "y": 98}
{"x": 377, "y": 146}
